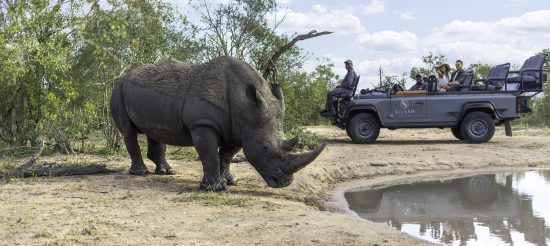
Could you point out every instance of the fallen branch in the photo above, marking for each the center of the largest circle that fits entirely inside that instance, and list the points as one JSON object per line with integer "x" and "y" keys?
{"x": 270, "y": 69}
{"x": 34, "y": 158}
{"x": 56, "y": 171}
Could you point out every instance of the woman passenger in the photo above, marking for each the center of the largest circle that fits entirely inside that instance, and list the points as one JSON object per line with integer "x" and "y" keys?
{"x": 443, "y": 75}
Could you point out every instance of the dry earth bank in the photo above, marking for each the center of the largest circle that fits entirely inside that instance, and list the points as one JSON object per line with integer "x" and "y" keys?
{"x": 119, "y": 209}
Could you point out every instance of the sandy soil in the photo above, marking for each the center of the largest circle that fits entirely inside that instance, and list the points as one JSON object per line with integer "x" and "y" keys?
{"x": 119, "y": 209}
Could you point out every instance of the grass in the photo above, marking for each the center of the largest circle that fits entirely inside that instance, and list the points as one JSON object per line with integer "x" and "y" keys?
{"x": 7, "y": 164}
{"x": 42, "y": 234}
{"x": 89, "y": 230}
{"x": 214, "y": 199}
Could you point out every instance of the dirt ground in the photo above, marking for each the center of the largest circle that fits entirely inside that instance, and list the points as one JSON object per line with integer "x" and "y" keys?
{"x": 120, "y": 209}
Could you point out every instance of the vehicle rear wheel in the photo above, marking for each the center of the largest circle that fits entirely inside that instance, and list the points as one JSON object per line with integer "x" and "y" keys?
{"x": 477, "y": 127}
{"x": 364, "y": 128}
{"x": 456, "y": 133}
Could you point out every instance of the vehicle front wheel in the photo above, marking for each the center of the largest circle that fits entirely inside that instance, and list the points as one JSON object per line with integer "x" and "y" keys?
{"x": 364, "y": 128}
{"x": 477, "y": 127}
{"x": 456, "y": 133}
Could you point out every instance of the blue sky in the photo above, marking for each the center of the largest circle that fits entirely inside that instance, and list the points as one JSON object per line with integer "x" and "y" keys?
{"x": 396, "y": 33}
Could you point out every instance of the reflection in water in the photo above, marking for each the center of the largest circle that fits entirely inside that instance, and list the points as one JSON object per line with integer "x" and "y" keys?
{"x": 502, "y": 208}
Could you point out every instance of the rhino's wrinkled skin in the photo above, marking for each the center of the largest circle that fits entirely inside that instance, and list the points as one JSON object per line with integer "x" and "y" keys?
{"x": 219, "y": 107}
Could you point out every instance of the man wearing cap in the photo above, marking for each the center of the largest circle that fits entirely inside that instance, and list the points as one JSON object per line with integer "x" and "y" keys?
{"x": 420, "y": 85}
{"x": 344, "y": 88}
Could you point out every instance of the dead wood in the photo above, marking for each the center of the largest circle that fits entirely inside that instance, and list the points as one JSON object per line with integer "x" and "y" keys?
{"x": 270, "y": 69}
{"x": 56, "y": 171}
{"x": 34, "y": 158}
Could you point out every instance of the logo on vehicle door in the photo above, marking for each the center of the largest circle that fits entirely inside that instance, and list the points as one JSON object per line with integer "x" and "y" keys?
{"x": 404, "y": 104}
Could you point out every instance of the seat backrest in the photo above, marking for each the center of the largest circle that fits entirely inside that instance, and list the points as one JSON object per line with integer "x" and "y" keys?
{"x": 498, "y": 74}
{"x": 467, "y": 81}
{"x": 534, "y": 62}
{"x": 354, "y": 85}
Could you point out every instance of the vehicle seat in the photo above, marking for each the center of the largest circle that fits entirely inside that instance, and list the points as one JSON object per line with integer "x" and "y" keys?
{"x": 342, "y": 102}
{"x": 530, "y": 76}
{"x": 495, "y": 80}
{"x": 465, "y": 85}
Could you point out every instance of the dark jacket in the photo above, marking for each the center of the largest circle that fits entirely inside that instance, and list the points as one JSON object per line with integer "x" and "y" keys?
{"x": 458, "y": 77}
{"x": 416, "y": 87}
{"x": 347, "y": 82}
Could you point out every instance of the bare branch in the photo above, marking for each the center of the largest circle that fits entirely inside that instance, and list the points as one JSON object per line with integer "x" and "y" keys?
{"x": 270, "y": 69}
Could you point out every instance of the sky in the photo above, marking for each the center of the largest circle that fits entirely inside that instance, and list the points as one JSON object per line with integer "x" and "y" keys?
{"x": 395, "y": 34}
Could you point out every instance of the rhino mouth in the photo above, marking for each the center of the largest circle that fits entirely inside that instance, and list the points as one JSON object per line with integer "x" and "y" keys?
{"x": 278, "y": 179}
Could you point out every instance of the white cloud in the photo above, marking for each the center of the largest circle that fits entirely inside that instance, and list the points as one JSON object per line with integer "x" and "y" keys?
{"x": 388, "y": 41}
{"x": 320, "y": 18}
{"x": 282, "y": 2}
{"x": 511, "y": 39}
{"x": 536, "y": 21}
{"x": 407, "y": 15}
{"x": 374, "y": 7}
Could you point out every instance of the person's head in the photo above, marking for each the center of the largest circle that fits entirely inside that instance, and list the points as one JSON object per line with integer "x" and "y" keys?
{"x": 443, "y": 69}
{"x": 418, "y": 78}
{"x": 349, "y": 64}
{"x": 459, "y": 64}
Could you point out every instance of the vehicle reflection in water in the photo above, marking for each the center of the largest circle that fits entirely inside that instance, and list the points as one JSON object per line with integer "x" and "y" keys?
{"x": 502, "y": 208}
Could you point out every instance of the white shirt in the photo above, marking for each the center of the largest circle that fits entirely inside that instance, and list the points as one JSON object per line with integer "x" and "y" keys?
{"x": 443, "y": 81}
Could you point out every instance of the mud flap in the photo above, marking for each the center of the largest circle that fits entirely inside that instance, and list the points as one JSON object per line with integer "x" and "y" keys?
{"x": 508, "y": 128}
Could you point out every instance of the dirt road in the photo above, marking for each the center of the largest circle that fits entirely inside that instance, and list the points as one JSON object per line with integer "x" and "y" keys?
{"x": 119, "y": 209}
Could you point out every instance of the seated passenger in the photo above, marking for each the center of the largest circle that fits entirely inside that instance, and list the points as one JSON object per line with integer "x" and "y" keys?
{"x": 443, "y": 75}
{"x": 420, "y": 85}
{"x": 344, "y": 88}
{"x": 457, "y": 77}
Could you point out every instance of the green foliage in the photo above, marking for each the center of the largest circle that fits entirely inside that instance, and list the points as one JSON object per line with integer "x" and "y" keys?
{"x": 429, "y": 61}
{"x": 305, "y": 95}
{"x": 481, "y": 70}
{"x": 59, "y": 61}
{"x": 308, "y": 140}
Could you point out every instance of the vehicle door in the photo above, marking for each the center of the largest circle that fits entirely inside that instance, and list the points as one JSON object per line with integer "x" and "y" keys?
{"x": 407, "y": 108}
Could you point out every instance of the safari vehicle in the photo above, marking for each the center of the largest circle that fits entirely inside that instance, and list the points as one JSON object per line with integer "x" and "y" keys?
{"x": 471, "y": 112}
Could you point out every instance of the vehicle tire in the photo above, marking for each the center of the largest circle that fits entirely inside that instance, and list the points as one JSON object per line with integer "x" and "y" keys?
{"x": 364, "y": 128}
{"x": 348, "y": 130}
{"x": 456, "y": 133}
{"x": 477, "y": 127}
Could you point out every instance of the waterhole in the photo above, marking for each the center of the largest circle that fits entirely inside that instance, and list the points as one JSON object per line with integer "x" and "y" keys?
{"x": 505, "y": 208}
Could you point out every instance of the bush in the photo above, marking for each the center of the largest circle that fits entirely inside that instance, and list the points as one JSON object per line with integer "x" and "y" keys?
{"x": 308, "y": 140}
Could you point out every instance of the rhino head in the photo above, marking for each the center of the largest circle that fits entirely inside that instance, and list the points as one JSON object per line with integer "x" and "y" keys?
{"x": 262, "y": 137}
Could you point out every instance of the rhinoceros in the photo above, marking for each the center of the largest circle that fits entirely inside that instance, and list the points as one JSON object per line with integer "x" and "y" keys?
{"x": 219, "y": 107}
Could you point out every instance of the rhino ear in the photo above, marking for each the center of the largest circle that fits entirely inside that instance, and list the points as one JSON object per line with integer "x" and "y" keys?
{"x": 277, "y": 91}
{"x": 255, "y": 96}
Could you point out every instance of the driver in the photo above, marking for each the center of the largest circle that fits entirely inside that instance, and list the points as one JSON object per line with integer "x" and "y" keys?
{"x": 419, "y": 85}
{"x": 341, "y": 90}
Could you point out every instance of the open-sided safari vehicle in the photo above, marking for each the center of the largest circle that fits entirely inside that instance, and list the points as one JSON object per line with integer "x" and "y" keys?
{"x": 471, "y": 111}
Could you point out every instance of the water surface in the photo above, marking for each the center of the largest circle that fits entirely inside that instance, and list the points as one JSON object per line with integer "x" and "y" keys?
{"x": 506, "y": 208}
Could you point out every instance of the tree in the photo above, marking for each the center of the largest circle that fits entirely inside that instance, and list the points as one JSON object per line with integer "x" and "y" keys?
{"x": 481, "y": 70}
{"x": 429, "y": 61}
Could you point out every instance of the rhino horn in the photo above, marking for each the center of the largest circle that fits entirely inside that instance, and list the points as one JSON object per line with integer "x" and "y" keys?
{"x": 295, "y": 162}
{"x": 289, "y": 144}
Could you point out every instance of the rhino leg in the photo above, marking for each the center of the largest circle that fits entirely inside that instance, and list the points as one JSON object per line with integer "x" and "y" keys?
{"x": 132, "y": 145}
{"x": 206, "y": 142}
{"x": 156, "y": 153}
{"x": 226, "y": 155}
